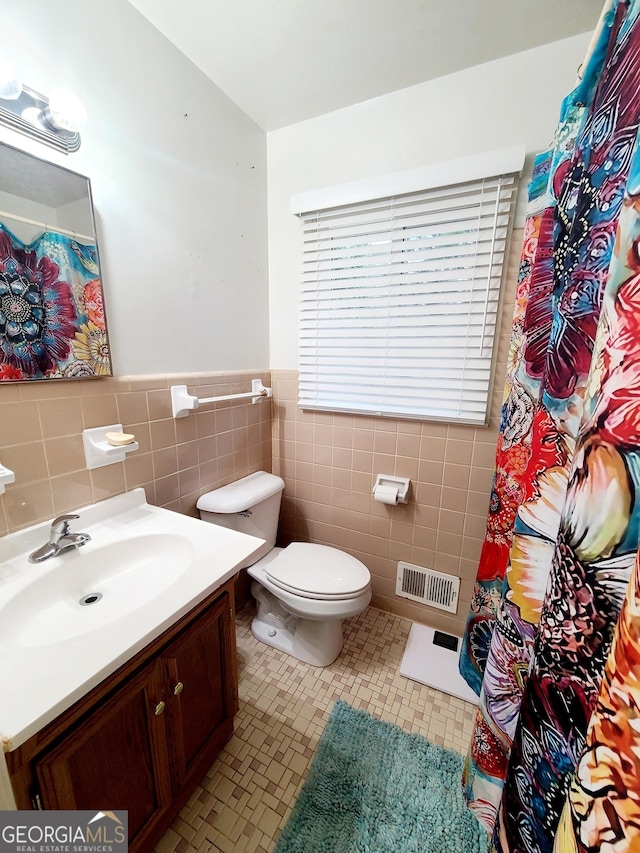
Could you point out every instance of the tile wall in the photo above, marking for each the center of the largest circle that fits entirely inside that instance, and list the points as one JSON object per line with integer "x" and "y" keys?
{"x": 41, "y": 427}
{"x": 329, "y": 463}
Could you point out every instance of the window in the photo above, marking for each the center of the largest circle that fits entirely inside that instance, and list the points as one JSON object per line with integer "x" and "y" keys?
{"x": 400, "y": 300}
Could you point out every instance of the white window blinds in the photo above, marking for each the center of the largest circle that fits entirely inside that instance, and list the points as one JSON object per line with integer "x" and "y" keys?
{"x": 400, "y": 299}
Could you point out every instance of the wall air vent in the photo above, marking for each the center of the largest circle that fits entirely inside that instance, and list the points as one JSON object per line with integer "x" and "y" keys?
{"x": 428, "y": 587}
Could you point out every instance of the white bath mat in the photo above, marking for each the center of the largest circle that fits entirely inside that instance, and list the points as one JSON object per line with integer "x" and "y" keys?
{"x": 433, "y": 664}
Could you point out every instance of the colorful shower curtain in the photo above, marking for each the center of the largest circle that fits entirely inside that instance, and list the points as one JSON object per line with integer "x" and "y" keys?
{"x": 603, "y": 807}
{"x": 52, "y": 321}
{"x": 602, "y": 811}
{"x": 562, "y": 531}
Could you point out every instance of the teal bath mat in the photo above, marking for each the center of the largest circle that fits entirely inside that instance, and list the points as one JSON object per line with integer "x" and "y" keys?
{"x": 373, "y": 788}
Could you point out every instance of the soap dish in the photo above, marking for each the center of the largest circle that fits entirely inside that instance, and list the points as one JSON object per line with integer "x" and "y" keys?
{"x": 6, "y": 476}
{"x": 106, "y": 445}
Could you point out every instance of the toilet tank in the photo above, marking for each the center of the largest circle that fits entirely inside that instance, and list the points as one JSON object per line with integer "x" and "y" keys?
{"x": 250, "y": 505}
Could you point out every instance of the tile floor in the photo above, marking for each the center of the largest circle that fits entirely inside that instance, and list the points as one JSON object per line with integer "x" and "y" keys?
{"x": 244, "y": 800}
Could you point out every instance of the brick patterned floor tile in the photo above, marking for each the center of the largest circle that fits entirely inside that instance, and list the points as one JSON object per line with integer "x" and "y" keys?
{"x": 246, "y": 796}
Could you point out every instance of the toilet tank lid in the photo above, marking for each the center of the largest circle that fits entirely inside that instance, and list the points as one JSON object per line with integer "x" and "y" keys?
{"x": 241, "y": 494}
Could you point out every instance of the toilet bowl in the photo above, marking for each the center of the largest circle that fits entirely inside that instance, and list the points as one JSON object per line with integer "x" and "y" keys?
{"x": 304, "y": 591}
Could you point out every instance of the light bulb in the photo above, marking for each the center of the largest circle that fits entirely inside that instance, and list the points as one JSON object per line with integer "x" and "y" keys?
{"x": 32, "y": 115}
{"x": 10, "y": 86}
{"x": 65, "y": 111}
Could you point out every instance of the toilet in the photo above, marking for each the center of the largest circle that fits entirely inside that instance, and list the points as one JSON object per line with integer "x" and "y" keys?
{"x": 303, "y": 591}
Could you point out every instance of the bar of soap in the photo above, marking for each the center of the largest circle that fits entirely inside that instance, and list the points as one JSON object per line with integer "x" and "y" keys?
{"x": 117, "y": 439}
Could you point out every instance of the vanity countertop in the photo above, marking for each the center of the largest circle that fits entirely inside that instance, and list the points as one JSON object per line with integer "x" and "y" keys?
{"x": 151, "y": 566}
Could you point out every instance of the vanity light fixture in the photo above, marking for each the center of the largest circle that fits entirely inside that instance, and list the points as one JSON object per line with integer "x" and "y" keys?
{"x": 56, "y": 121}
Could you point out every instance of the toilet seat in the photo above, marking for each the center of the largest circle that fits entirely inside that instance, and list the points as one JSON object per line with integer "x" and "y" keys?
{"x": 318, "y": 571}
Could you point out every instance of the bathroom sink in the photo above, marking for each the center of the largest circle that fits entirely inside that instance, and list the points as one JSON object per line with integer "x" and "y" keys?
{"x": 92, "y": 586}
{"x": 68, "y": 622}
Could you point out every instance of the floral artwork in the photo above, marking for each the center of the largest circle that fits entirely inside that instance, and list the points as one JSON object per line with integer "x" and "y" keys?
{"x": 52, "y": 320}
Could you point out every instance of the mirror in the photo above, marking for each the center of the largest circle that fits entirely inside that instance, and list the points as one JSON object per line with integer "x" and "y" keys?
{"x": 52, "y": 318}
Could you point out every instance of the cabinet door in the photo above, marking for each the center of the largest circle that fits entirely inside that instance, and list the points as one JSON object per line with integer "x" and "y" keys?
{"x": 200, "y": 687}
{"x": 116, "y": 758}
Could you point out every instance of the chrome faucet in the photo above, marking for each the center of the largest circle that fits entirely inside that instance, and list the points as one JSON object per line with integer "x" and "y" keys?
{"x": 60, "y": 539}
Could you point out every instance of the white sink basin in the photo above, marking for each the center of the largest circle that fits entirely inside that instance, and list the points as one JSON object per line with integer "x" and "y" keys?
{"x": 143, "y": 569}
{"x": 94, "y": 585}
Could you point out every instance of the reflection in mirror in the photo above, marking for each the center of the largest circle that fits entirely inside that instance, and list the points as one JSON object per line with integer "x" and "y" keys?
{"x": 52, "y": 319}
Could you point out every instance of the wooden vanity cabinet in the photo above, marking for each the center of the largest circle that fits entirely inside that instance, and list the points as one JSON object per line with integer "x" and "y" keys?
{"x": 118, "y": 752}
{"x": 144, "y": 738}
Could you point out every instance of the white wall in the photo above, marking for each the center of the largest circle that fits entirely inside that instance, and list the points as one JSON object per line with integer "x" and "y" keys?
{"x": 178, "y": 177}
{"x": 502, "y": 103}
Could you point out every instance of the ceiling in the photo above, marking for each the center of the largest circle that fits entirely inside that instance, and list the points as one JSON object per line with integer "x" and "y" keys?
{"x": 284, "y": 61}
{"x": 31, "y": 178}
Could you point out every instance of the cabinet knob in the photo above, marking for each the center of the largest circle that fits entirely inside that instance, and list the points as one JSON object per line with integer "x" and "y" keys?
{"x": 158, "y": 709}
{"x": 177, "y": 690}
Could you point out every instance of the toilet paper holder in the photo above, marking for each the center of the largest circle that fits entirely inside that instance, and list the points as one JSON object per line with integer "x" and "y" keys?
{"x": 401, "y": 484}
